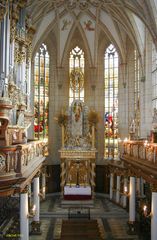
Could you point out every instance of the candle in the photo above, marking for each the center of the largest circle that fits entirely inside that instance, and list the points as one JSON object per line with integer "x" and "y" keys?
{"x": 145, "y": 210}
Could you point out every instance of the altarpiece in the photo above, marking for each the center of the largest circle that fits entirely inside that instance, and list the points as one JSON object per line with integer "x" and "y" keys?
{"x": 78, "y": 154}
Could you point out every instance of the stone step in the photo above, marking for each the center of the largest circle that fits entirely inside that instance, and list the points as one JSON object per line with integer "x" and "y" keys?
{"x": 77, "y": 203}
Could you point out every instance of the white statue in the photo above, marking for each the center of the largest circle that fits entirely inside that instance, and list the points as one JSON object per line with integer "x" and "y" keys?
{"x": 132, "y": 128}
{"x": 21, "y": 119}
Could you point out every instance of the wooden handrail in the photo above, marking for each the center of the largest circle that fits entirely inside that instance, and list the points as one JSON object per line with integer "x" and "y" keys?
{"x": 15, "y": 157}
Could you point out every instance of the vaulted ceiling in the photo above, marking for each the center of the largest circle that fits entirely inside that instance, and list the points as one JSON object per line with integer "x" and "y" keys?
{"x": 116, "y": 18}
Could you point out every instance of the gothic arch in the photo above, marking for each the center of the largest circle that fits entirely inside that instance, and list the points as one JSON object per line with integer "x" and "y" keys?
{"x": 77, "y": 37}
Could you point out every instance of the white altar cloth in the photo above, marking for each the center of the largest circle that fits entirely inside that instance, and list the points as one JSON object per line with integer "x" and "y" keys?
{"x": 77, "y": 190}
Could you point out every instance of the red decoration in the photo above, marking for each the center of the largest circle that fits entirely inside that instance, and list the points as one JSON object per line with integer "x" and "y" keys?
{"x": 38, "y": 128}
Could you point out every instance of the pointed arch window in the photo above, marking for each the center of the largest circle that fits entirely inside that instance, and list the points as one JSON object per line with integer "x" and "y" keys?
{"x": 111, "y": 103}
{"x": 41, "y": 96}
{"x": 76, "y": 74}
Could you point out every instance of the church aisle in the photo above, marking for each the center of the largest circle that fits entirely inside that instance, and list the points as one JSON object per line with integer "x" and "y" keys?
{"x": 113, "y": 217}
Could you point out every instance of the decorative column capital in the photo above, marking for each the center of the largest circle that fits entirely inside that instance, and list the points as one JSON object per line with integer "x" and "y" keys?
{"x": 118, "y": 172}
{"x": 37, "y": 174}
{"x": 25, "y": 190}
{"x": 130, "y": 172}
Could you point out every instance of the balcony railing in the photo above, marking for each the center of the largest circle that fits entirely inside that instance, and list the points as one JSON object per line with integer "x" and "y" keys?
{"x": 141, "y": 150}
{"x": 16, "y": 159}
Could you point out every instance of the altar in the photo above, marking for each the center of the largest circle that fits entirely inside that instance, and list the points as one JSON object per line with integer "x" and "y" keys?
{"x": 78, "y": 153}
{"x": 77, "y": 192}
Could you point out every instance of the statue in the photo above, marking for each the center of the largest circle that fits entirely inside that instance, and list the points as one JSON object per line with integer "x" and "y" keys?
{"x": 77, "y": 120}
{"x": 21, "y": 119}
{"x": 132, "y": 127}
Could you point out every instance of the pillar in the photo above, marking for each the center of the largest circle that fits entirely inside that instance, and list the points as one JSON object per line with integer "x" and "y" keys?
{"x": 43, "y": 185}
{"x": 132, "y": 200}
{"x": 36, "y": 199}
{"x": 154, "y": 215}
{"x": 125, "y": 192}
{"x": 111, "y": 185}
{"x": 24, "y": 220}
{"x": 118, "y": 190}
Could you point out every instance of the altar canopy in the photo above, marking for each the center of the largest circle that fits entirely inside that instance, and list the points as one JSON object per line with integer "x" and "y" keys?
{"x": 78, "y": 153}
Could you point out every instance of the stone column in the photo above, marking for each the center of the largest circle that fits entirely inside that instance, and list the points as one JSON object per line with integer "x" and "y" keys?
{"x": 132, "y": 200}
{"x": 131, "y": 222}
{"x": 154, "y": 214}
{"x": 24, "y": 220}
{"x": 125, "y": 192}
{"x": 43, "y": 185}
{"x": 111, "y": 185}
{"x": 36, "y": 199}
{"x": 118, "y": 190}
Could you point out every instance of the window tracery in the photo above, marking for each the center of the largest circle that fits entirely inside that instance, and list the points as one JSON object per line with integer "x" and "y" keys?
{"x": 41, "y": 98}
{"x": 76, "y": 75}
{"x": 111, "y": 103}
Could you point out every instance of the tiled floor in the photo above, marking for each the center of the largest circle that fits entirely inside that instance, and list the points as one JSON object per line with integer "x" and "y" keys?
{"x": 113, "y": 217}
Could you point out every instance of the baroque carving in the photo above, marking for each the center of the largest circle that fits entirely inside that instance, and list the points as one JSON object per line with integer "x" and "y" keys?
{"x": 142, "y": 152}
{"x": 149, "y": 154}
{"x": 135, "y": 151}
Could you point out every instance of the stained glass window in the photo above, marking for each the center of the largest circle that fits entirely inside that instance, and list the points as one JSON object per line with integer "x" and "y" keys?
{"x": 111, "y": 103}
{"x": 76, "y": 75}
{"x": 41, "y": 93}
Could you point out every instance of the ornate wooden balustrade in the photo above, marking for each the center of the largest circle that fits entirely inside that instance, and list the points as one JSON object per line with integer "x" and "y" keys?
{"x": 141, "y": 156}
{"x": 19, "y": 161}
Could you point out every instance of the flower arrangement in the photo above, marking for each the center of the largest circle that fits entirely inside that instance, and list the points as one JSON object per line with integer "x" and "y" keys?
{"x": 62, "y": 119}
{"x": 93, "y": 117}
